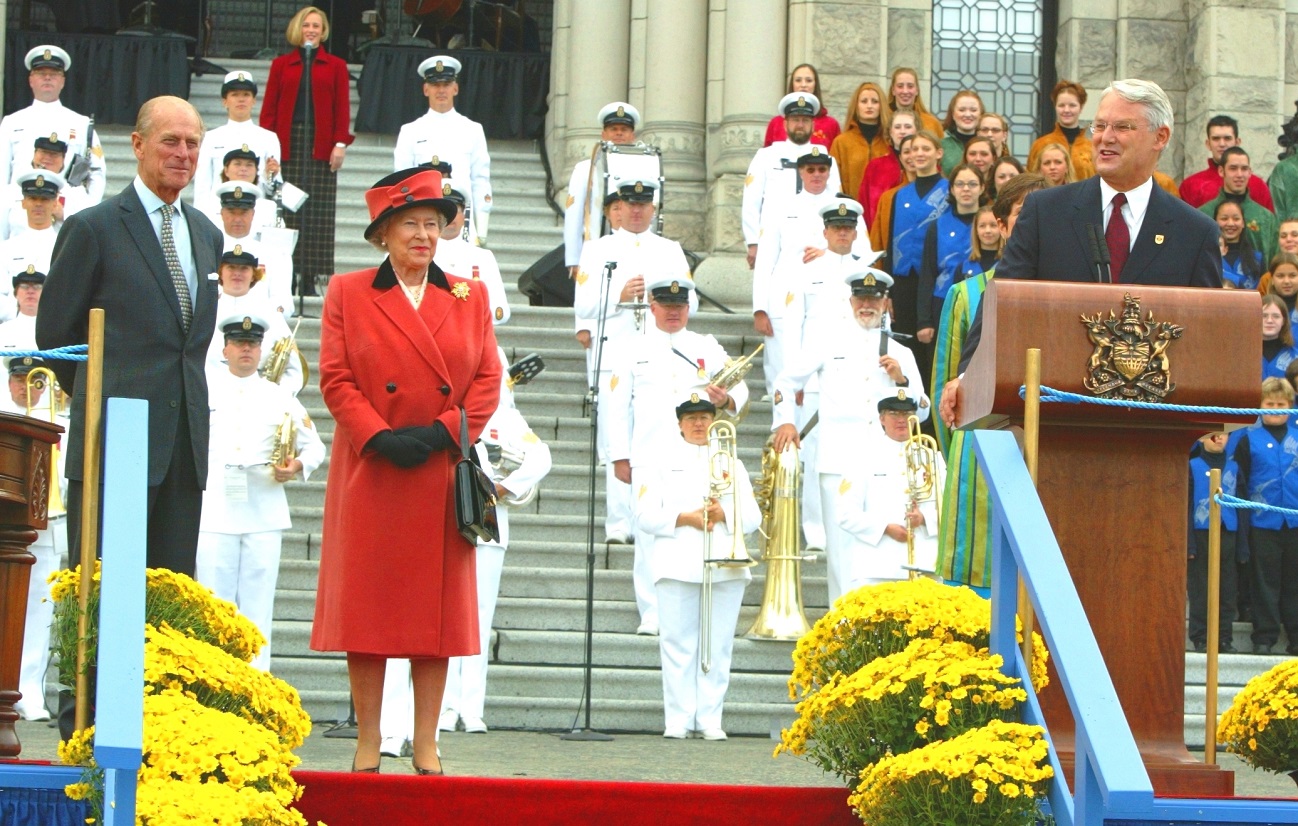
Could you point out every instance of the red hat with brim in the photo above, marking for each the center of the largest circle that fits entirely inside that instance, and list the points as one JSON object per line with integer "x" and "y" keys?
{"x": 404, "y": 190}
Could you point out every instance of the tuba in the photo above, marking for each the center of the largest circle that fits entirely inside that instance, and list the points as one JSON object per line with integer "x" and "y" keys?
{"x": 922, "y": 483}
{"x": 722, "y": 463}
{"x": 285, "y": 442}
{"x": 781, "y": 616}
{"x": 38, "y": 378}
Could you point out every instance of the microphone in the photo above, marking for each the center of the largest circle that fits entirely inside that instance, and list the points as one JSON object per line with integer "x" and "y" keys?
{"x": 610, "y": 265}
{"x": 1099, "y": 255}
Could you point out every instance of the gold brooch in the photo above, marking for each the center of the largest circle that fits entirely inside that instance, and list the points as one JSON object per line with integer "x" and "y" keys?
{"x": 461, "y": 290}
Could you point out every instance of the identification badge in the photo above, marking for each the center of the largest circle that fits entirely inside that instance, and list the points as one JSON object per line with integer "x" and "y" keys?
{"x": 236, "y": 484}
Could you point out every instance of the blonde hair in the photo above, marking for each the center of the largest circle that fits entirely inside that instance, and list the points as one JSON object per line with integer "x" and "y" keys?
{"x": 1277, "y": 388}
{"x": 1069, "y": 175}
{"x": 294, "y": 31}
{"x": 977, "y": 249}
{"x": 258, "y": 272}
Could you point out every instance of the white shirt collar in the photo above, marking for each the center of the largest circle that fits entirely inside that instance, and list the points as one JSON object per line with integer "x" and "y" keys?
{"x": 152, "y": 203}
{"x": 1137, "y": 199}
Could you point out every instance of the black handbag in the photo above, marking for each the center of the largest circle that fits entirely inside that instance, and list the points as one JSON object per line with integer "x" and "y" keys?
{"x": 475, "y": 495}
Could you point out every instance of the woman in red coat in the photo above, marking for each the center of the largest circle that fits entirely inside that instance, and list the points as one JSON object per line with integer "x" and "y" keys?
{"x": 805, "y": 78}
{"x": 403, "y": 348}
{"x": 884, "y": 171}
{"x": 308, "y": 105}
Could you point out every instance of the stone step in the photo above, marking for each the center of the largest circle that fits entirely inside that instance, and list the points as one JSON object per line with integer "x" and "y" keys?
{"x": 519, "y": 647}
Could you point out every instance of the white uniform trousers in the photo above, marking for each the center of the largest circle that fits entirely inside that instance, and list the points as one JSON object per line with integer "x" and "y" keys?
{"x": 838, "y": 542}
{"x": 642, "y": 575}
{"x": 692, "y": 699}
{"x": 813, "y": 523}
{"x": 50, "y": 548}
{"x": 773, "y": 355}
{"x": 397, "y": 719}
{"x": 466, "y": 677}
{"x": 619, "y": 508}
{"x": 243, "y": 568}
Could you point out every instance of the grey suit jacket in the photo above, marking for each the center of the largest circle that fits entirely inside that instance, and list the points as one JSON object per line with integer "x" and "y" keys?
{"x": 109, "y": 257}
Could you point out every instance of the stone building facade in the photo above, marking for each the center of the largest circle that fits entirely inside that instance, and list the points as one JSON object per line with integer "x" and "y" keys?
{"x": 706, "y": 75}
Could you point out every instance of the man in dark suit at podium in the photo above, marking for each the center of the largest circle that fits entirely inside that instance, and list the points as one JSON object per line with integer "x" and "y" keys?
{"x": 1119, "y": 226}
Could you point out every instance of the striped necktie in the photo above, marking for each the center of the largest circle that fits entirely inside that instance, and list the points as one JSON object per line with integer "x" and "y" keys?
{"x": 173, "y": 266}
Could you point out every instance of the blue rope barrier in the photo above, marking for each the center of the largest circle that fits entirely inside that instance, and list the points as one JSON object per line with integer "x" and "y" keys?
{"x": 72, "y": 352}
{"x": 1228, "y": 501}
{"x": 1050, "y": 394}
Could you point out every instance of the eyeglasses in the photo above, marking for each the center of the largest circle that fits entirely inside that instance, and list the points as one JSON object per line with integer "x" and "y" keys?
{"x": 966, "y": 185}
{"x": 1121, "y": 127}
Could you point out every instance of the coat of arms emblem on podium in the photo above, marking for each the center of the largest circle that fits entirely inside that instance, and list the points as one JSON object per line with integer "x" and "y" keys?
{"x": 1130, "y": 359}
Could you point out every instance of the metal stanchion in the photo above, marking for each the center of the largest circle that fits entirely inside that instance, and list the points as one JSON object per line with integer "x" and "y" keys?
{"x": 1214, "y": 618}
{"x": 89, "y": 502}
{"x": 1031, "y": 428}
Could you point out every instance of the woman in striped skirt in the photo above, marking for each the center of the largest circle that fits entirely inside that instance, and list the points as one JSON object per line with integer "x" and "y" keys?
{"x": 308, "y": 105}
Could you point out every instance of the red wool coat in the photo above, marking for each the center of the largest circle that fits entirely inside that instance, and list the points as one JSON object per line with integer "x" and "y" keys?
{"x": 396, "y": 577}
{"x": 330, "y": 95}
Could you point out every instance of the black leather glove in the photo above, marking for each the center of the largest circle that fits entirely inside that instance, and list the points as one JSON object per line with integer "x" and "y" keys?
{"x": 435, "y": 436}
{"x": 400, "y": 450}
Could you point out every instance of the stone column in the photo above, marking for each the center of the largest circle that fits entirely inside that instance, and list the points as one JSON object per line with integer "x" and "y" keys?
{"x": 598, "y": 44}
{"x": 1152, "y": 44}
{"x": 751, "y": 83}
{"x": 675, "y": 79}
{"x": 1086, "y": 49}
{"x": 1236, "y": 65}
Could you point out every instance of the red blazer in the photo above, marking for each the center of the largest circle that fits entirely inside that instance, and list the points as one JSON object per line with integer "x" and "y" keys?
{"x": 396, "y": 578}
{"x": 330, "y": 92}
{"x": 824, "y": 131}
{"x": 881, "y": 174}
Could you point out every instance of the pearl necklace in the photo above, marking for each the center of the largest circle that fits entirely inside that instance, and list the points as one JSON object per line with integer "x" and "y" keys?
{"x": 415, "y": 294}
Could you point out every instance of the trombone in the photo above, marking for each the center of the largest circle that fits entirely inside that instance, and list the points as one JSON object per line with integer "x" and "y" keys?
{"x": 723, "y": 462}
{"x": 42, "y": 378}
{"x": 921, "y": 452}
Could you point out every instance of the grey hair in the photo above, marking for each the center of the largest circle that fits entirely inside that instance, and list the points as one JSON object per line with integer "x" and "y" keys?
{"x": 1146, "y": 94}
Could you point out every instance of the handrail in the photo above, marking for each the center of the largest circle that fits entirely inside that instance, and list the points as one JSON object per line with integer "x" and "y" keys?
{"x": 1109, "y": 773}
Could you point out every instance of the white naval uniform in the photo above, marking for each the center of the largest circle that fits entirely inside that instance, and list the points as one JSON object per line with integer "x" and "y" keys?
{"x": 226, "y": 138}
{"x": 460, "y": 142}
{"x": 263, "y": 214}
{"x": 772, "y": 180}
{"x": 245, "y": 511}
{"x": 277, "y": 286}
{"x": 29, "y": 247}
{"x": 254, "y": 304}
{"x": 74, "y": 198}
{"x": 851, "y": 384}
{"x": 821, "y": 302}
{"x": 19, "y": 131}
{"x": 18, "y": 333}
{"x": 458, "y": 257}
{"x": 466, "y": 677}
{"x": 641, "y": 397}
{"x": 635, "y": 161}
{"x": 644, "y": 254}
{"x": 870, "y": 499}
{"x": 678, "y": 483}
{"x": 50, "y": 550}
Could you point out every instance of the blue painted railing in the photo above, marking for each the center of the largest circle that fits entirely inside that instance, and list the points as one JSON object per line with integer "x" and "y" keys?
{"x": 1111, "y": 785}
{"x": 119, "y": 699}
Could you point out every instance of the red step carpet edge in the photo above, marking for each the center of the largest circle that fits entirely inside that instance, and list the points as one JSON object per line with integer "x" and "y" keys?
{"x": 343, "y": 799}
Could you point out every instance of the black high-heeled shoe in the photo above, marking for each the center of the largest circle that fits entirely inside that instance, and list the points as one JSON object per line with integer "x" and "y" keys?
{"x": 372, "y": 770}
{"x": 426, "y": 772}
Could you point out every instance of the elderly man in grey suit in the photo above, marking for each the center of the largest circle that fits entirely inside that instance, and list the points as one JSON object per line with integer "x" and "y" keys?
{"x": 150, "y": 263}
{"x": 1151, "y": 237}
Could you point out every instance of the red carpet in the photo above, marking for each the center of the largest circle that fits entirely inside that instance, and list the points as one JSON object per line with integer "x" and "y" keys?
{"x": 341, "y": 799}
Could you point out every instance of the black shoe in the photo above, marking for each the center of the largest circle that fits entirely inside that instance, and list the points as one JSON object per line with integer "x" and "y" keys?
{"x": 1226, "y": 648}
{"x": 1200, "y": 647}
{"x": 1259, "y": 648}
{"x": 438, "y": 772}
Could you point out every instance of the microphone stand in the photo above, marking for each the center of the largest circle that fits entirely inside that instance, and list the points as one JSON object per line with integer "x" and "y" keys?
{"x": 586, "y": 733}
{"x": 1099, "y": 255}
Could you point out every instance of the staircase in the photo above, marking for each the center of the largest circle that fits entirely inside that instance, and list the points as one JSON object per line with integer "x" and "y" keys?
{"x": 535, "y": 681}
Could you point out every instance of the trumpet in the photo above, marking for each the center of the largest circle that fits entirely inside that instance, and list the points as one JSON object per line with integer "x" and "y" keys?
{"x": 285, "y": 442}
{"x": 723, "y": 462}
{"x": 42, "y": 378}
{"x": 280, "y": 354}
{"x": 921, "y": 452}
{"x": 732, "y": 373}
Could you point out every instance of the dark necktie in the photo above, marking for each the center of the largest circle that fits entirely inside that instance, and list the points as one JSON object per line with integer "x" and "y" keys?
{"x": 1118, "y": 236}
{"x": 173, "y": 266}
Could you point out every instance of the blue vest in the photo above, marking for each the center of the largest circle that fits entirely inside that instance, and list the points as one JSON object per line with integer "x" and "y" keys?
{"x": 1276, "y": 367}
{"x": 954, "y": 245}
{"x": 1234, "y": 272}
{"x": 911, "y": 216}
{"x": 1273, "y": 475}
{"x": 1199, "y": 481}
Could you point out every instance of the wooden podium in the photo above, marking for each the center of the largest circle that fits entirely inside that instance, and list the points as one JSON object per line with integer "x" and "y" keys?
{"x": 24, "y": 499}
{"x": 1114, "y": 481}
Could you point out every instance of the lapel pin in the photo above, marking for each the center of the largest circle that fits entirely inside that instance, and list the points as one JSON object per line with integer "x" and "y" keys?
{"x": 1158, "y": 239}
